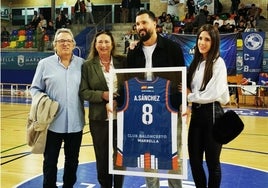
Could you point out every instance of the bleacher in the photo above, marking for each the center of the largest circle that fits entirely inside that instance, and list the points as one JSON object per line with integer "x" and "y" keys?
{"x": 24, "y": 40}
{"x": 21, "y": 55}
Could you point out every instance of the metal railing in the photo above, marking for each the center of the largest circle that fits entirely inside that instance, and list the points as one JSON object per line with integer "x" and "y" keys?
{"x": 15, "y": 89}
{"x": 101, "y": 25}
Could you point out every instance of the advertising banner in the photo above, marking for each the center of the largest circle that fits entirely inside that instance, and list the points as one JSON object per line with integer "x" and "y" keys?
{"x": 19, "y": 67}
{"x": 21, "y": 60}
{"x": 239, "y": 62}
{"x": 253, "y": 44}
{"x": 227, "y": 48}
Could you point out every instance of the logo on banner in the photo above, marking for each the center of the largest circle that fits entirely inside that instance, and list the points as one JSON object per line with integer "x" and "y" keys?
{"x": 21, "y": 60}
{"x": 253, "y": 41}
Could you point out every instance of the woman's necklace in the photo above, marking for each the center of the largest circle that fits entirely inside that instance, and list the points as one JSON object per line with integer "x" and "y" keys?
{"x": 106, "y": 64}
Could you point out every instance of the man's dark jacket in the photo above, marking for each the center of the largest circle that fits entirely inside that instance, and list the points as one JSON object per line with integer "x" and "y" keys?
{"x": 166, "y": 54}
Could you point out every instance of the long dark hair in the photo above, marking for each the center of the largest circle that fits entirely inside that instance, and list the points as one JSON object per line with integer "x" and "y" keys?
{"x": 213, "y": 54}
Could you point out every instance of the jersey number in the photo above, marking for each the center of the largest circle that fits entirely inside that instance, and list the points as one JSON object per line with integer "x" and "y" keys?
{"x": 147, "y": 116}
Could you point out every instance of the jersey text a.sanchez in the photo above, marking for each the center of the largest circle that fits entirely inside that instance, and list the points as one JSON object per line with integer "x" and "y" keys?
{"x": 147, "y": 126}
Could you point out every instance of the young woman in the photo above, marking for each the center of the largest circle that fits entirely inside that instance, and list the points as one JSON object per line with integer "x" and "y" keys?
{"x": 208, "y": 89}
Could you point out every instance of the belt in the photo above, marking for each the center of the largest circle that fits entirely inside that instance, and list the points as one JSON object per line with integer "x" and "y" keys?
{"x": 199, "y": 106}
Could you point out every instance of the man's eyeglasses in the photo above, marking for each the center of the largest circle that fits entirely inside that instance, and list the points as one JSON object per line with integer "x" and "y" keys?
{"x": 62, "y": 41}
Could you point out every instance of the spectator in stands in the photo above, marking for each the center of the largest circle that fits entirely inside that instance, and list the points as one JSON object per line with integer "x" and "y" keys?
{"x": 40, "y": 31}
{"x": 77, "y": 12}
{"x": 83, "y": 10}
{"x": 191, "y": 7}
{"x": 254, "y": 12}
{"x": 58, "y": 76}
{"x": 229, "y": 24}
{"x": 240, "y": 28}
{"x": 68, "y": 21}
{"x": 187, "y": 24}
{"x": 172, "y": 7}
{"x": 126, "y": 39}
{"x": 250, "y": 28}
{"x": 130, "y": 36}
{"x": 60, "y": 22}
{"x": 50, "y": 31}
{"x": 50, "y": 28}
{"x": 240, "y": 19}
{"x": 218, "y": 20}
{"x": 134, "y": 6}
{"x": 216, "y": 26}
{"x": 188, "y": 18}
{"x": 134, "y": 34}
{"x": 234, "y": 6}
{"x": 4, "y": 34}
{"x": 63, "y": 16}
{"x": 217, "y": 7}
{"x": 168, "y": 25}
{"x": 43, "y": 21}
{"x": 89, "y": 18}
{"x": 35, "y": 20}
{"x": 159, "y": 29}
{"x": 243, "y": 11}
{"x": 161, "y": 19}
{"x": 124, "y": 11}
{"x": 188, "y": 28}
{"x": 199, "y": 20}
{"x": 205, "y": 9}
{"x": 209, "y": 20}
{"x": 252, "y": 22}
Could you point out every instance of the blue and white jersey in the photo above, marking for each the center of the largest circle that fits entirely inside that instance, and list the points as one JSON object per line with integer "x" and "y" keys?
{"x": 147, "y": 126}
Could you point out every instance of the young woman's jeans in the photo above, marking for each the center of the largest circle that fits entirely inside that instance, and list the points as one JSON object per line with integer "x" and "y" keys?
{"x": 200, "y": 141}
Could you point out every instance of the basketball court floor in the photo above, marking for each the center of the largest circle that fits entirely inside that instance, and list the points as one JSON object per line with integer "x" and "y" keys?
{"x": 244, "y": 160}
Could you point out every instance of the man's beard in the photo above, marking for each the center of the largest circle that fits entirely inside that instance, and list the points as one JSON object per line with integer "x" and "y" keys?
{"x": 145, "y": 37}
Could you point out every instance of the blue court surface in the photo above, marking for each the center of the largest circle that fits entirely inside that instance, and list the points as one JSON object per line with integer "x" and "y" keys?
{"x": 233, "y": 176}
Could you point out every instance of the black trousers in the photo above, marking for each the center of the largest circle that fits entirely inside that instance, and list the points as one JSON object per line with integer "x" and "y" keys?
{"x": 72, "y": 143}
{"x": 200, "y": 141}
{"x": 100, "y": 135}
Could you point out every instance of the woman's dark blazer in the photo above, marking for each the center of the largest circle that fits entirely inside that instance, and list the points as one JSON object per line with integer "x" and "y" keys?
{"x": 93, "y": 84}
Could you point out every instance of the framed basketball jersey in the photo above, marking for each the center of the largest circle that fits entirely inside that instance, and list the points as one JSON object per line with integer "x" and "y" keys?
{"x": 145, "y": 124}
{"x": 151, "y": 133}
